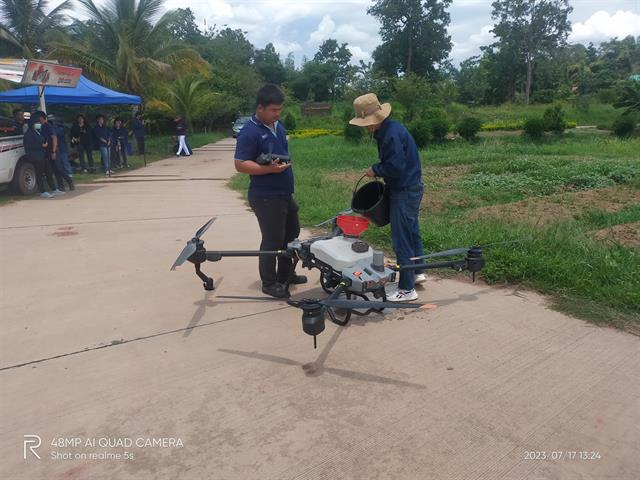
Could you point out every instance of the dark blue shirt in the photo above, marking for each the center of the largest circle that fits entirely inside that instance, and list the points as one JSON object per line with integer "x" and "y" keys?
{"x": 256, "y": 138}
{"x": 138, "y": 128}
{"x": 102, "y": 132}
{"x": 47, "y": 132}
{"x": 399, "y": 160}
{"x": 119, "y": 135}
{"x": 62, "y": 140}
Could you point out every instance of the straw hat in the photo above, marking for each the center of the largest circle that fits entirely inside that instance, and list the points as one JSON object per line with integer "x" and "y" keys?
{"x": 369, "y": 111}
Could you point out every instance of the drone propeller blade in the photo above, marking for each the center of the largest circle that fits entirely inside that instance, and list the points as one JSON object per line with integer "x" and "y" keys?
{"x": 357, "y": 304}
{"x": 204, "y": 228}
{"x": 187, "y": 251}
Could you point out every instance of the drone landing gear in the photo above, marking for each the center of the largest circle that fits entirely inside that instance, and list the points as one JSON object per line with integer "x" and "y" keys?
{"x": 329, "y": 282}
{"x": 341, "y": 316}
{"x": 207, "y": 281}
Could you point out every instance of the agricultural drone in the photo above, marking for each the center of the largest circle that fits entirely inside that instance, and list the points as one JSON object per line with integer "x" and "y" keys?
{"x": 350, "y": 271}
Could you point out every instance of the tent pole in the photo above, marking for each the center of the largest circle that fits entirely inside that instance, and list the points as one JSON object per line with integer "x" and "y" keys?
{"x": 42, "y": 104}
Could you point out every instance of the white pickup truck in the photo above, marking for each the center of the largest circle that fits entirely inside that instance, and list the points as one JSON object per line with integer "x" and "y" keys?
{"x": 16, "y": 170}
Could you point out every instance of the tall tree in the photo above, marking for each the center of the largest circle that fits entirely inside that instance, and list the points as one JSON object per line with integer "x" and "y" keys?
{"x": 182, "y": 26}
{"x": 414, "y": 35}
{"x": 25, "y": 24}
{"x": 535, "y": 28}
{"x": 126, "y": 43}
{"x": 338, "y": 58}
{"x": 227, "y": 46}
{"x": 269, "y": 66}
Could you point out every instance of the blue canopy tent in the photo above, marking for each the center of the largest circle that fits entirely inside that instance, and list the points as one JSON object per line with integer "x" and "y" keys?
{"x": 86, "y": 92}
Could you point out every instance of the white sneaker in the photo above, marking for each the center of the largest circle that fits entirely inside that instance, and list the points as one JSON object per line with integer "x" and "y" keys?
{"x": 46, "y": 195}
{"x": 420, "y": 278}
{"x": 57, "y": 192}
{"x": 402, "y": 296}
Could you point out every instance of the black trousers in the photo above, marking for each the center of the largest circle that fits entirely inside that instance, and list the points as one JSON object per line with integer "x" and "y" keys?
{"x": 140, "y": 142}
{"x": 43, "y": 169}
{"x": 279, "y": 224}
{"x": 82, "y": 151}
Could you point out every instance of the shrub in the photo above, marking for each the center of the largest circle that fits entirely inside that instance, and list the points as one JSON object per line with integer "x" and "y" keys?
{"x": 544, "y": 96}
{"x": 420, "y": 130}
{"x": 624, "y": 125}
{"x": 290, "y": 122}
{"x": 353, "y": 133}
{"x": 553, "y": 119}
{"x": 468, "y": 127}
{"x": 534, "y": 127}
{"x": 439, "y": 128}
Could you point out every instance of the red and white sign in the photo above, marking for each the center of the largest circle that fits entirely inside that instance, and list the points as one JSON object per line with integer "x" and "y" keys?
{"x": 50, "y": 74}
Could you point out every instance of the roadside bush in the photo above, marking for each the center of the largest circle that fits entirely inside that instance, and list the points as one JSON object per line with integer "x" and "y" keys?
{"x": 439, "y": 128}
{"x": 420, "y": 130}
{"x": 353, "y": 133}
{"x": 624, "y": 125}
{"x": 534, "y": 127}
{"x": 468, "y": 127}
{"x": 290, "y": 122}
{"x": 553, "y": 119}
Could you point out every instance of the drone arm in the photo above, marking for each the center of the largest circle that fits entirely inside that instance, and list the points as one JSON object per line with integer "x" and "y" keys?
{"x": 215, "y": 256}
{"x": 455, "y": 264}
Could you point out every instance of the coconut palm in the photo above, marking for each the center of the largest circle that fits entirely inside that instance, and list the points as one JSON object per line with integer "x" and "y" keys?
{"x": 124, "y": 43}
{"x": 24, "y": 25}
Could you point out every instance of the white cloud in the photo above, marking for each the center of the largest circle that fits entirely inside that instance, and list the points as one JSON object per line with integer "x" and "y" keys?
{"x": 358, "y": 54}
{"x": 471, "y": 46}
{"x": 325, "y": 30}
{"x": 283, "y": 48}
{"x": 602, "y": 26}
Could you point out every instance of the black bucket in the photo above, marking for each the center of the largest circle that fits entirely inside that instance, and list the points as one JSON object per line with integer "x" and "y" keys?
{"x": 372, "y": 201}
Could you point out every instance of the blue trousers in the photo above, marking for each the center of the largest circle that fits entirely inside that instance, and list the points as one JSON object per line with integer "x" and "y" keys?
{"x": 105, "y": 156}
{"x": 404, "y": 208}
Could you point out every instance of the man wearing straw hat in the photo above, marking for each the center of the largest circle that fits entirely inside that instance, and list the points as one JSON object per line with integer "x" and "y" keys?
{"x": 401, "y": 170}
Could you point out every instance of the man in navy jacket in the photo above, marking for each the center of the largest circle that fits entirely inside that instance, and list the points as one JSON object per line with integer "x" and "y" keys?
{"x": 401, "y": 169}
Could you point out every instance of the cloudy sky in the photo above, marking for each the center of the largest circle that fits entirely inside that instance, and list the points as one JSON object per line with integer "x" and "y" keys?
{"x": 300, "y": 26}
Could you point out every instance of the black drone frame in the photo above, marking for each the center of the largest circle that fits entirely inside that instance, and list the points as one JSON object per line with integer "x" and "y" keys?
{"x": 332, "y": 282}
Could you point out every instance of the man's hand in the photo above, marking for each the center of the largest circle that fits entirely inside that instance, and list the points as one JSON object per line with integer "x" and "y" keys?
{"x": 277, "y": 167}
{"x": 370, "y": 172}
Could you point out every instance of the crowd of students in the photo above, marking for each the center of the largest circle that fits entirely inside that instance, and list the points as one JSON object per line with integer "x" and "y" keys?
{"x": 46, "y": 145}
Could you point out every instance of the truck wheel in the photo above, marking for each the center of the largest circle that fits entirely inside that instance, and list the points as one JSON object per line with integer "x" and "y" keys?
{"x": 24, "y": 178}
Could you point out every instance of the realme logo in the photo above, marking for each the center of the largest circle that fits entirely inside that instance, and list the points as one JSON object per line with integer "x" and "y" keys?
{"x": 32, "y": 442}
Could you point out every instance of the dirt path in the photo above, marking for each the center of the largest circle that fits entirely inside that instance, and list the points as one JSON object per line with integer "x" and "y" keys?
{"x": 102, "y": 343}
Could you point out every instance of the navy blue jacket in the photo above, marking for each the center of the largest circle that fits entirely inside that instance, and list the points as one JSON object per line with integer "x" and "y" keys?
{"x": 101, "y": 132}
{"x": 256, "y": 138}
{"x": 34, "y": 145}
{"x": 399, "y": 160}
{"x": 138, "y": 128}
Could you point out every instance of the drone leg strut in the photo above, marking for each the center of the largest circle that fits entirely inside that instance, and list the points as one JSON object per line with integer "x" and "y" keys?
{"x": 208, "y": 281}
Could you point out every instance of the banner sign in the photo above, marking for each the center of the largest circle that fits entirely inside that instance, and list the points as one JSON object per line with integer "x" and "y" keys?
{"x": 50, "y": 74}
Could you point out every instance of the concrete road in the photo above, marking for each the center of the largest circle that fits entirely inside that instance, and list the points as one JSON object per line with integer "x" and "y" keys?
{"x": 116, "y": 368}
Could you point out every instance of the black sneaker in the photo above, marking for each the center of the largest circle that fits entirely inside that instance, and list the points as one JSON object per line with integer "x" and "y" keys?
{"x": 297, "y": 279}
{"x": 276, "y": 290}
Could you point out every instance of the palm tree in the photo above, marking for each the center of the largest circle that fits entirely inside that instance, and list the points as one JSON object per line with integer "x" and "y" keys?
{"x": 24, "y": 25}
{"x": 185, "y": 96}
{"x": 123, "y": 44}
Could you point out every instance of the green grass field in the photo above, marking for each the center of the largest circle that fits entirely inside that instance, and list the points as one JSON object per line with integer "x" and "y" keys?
{"x": 564, "y": 193}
